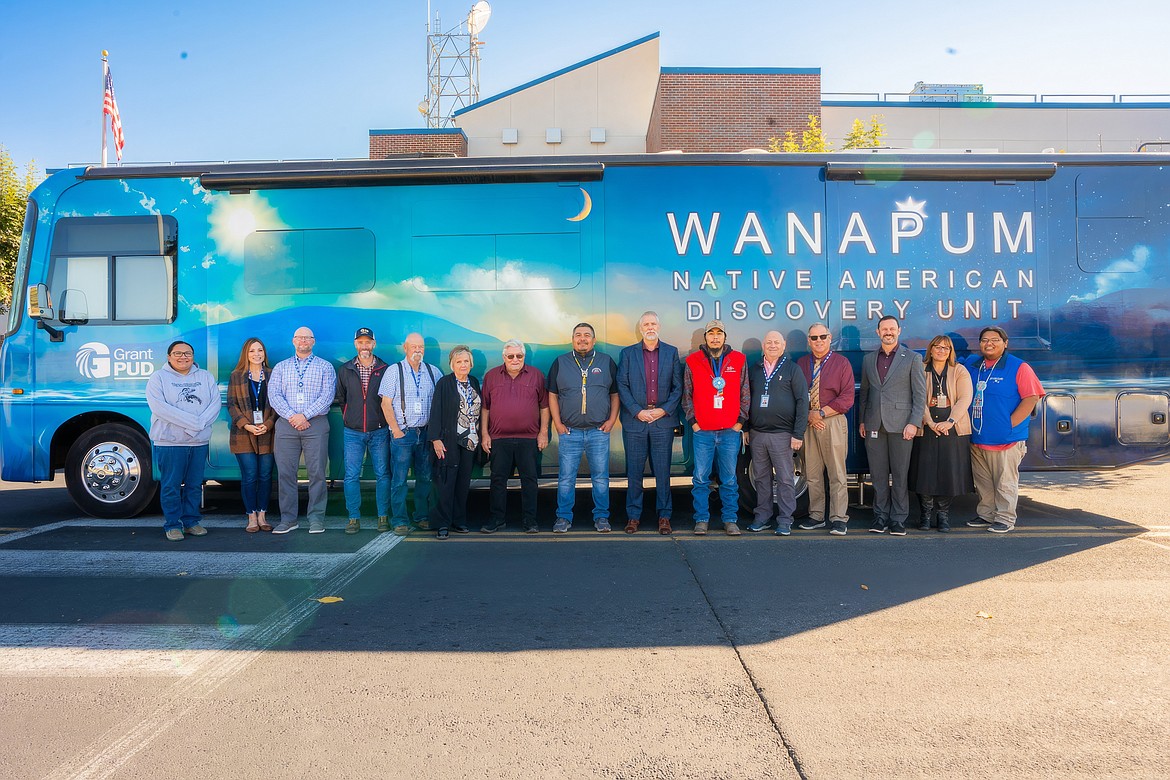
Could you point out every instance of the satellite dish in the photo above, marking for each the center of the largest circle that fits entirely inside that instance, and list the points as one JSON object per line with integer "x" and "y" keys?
{"x": 424, "y": 106}
{"x": 477, "y": 19}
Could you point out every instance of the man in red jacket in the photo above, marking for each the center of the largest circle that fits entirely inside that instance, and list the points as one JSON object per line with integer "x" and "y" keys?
{"x": 715, "y": 402}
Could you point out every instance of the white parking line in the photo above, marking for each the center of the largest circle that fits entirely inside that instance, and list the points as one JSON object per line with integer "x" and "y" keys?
{"x": 205, "y": 565}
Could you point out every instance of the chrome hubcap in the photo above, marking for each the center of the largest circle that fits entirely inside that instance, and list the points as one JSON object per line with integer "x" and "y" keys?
{"x": 111, "y": 472}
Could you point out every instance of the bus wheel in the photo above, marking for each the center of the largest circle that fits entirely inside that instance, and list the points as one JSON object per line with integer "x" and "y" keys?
{"x": 745, "y": 477}
{"x": 108, "y": 471}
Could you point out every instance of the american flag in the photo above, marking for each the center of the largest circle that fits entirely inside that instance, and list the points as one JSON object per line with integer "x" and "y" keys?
{"x": 110, "y": 106}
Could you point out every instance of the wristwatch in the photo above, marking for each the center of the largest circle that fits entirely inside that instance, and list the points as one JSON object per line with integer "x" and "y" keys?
{"x": 951, "y": 420}
{"x": 822, "y": 413}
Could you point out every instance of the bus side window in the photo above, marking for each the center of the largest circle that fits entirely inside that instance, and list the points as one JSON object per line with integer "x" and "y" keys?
{"x": 108, "y": 270}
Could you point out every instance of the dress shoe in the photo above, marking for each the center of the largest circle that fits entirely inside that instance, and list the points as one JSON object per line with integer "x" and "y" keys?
{"x": 632, "y": 527}
{"x": 664, "y": 526}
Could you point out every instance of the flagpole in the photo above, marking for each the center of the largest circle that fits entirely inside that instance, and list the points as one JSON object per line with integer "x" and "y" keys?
{"x": 105, "y": 70}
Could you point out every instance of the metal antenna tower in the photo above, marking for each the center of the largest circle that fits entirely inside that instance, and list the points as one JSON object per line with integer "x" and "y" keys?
{"x": 452, "y": 66}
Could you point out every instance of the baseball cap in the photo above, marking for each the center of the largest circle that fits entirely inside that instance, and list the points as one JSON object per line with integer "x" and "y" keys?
{"x": 714, "y": 325}
{"x": 364, "y": 333}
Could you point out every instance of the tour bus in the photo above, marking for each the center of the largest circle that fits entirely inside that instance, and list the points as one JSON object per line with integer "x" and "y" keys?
{"x": 1068, "y": 253}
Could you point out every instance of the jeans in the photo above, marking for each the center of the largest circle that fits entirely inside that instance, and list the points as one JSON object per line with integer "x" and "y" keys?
{"x": 180, "y": 484}
{"x": 255, "y": 480}
{"x": 719, "y": 449}
{"x": 519, "y": 455}
{"x": 654, "y": 442}
{"x": 413, "y": 449}
{"x": 594, "y": 444}
{"x": 356, "y": 444}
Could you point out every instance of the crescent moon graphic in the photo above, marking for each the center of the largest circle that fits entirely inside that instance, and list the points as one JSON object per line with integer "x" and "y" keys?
{"x": 585, "y": 209}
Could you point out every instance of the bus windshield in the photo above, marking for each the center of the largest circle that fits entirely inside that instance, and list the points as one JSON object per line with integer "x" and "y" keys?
{"x": 16, "y": 305}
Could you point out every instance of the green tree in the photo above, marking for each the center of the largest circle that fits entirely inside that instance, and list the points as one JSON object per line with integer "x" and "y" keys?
{"x": 14, "y": 191}
{"x": 862, "y": 137}
{"x": 811, "y": 140}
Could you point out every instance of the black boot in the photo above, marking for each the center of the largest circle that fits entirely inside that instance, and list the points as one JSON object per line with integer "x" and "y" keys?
{"x": 926, "y": 505}
{"x": 944, "y": 513}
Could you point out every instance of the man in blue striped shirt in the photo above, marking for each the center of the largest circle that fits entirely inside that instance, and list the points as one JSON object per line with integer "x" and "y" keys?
{"x": 406, "y": 390}
{"x": 300, "y": 392}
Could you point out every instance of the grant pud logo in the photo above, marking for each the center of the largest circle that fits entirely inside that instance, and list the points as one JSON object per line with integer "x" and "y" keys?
{"x": 95, "y": 360}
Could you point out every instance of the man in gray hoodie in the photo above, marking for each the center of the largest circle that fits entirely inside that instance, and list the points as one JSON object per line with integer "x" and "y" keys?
{"x": 184, "y": 402}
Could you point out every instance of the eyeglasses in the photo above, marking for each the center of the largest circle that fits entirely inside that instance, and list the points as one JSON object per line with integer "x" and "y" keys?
{"x": 818, "y": 337}
{"x": 941, "y": 346}
{"x": 995, "y": 340}
{"x": 182, "y": 354}
{"x": 514, "y": 357}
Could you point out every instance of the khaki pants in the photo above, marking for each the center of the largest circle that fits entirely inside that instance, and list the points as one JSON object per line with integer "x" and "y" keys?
{"x": 997, "y": 482}
{"x": 825, "y": 451}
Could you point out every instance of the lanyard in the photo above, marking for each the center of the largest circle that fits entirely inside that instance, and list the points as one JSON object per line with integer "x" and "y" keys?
{"x": 769, "y": 377}
{"x": 819, "y": 368}
{"x": 417, "y": 377}
{"x": 467, "y": 393}
{"x": 256, "y": 385}
{"x": 302, "y": 371}
{"x": 584, "y": 375}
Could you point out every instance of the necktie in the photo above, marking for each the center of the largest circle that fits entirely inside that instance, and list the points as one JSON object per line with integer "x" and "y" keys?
{"x": 814, "y": 394}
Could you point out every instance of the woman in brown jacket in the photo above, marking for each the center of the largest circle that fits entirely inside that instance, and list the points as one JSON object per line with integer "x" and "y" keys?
{"x": 252, "y": 425}
{"x": 940, "y": 463}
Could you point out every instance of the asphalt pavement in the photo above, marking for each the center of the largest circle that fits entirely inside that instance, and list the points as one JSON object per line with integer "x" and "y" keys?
{"x": 1041, "y": 653}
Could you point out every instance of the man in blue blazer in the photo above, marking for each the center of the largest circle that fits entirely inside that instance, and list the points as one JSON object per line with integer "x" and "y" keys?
{"x": 650, "y": 386}
{"x": 893, "y": 398}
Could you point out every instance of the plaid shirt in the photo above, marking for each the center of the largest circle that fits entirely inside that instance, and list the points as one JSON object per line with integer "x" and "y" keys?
{"x": 314, "y": 379}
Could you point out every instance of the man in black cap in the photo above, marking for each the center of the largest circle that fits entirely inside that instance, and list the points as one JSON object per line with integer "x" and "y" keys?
{"x": 366, "y": 429}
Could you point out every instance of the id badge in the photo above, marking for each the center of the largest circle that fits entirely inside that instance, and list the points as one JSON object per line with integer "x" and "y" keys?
{"x": 718, "y": 402}
{"x": 300, "y": 399}
{"x": 257, "y": 418}
{"x": 763, "y": 402}
{"x": 418, "y": 407}
{"x": 940, "y": 401}
{"x": 873, "y": 434}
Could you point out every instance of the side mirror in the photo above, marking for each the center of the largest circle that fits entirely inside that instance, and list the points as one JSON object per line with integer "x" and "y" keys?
{"x": 40, "y": 306}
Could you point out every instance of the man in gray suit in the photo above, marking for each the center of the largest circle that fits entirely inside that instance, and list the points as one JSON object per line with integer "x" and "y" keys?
{"x": 893, "y": 398}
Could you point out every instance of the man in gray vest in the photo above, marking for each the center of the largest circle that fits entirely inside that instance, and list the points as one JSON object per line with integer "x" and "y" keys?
{"x": 583, "y": 406}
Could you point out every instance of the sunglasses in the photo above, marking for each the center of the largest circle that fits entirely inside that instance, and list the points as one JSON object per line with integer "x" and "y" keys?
{"x": 513, "y": 357}
{"x": 820, "y": 337}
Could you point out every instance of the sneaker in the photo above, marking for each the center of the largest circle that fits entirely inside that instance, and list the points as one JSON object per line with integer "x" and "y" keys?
{"x": 383, "y": 524}
{"x": 491, "y": 529}
{"x": 197, "y": 530}
{"x": 531, "y": 530}
{"x": 353, "y": 526}
{"x": 878, "y": 527}
{"x": 175, "y": 535}
{"x": 423, "y": 525}
{"x": 561, "y": 526}
{"x": 897, "y": 529}
{"x": 755, "y": 528}
{"x": 442, "y": 533}
{"x": 402, "y": 529}
{"x": 602, "y": 526}
{"x": 460, "y": 529}
{"x": 731, "y": 529}
{"x": 839, "y": 528}
{"x": 284, "y": 527}
{"x": 316, "y": 526}
{"x": 999, "y": 528}
{"x": 700, "y": 529}
{"x": 784, "y": 530}
{"x": 978, "y": 522}
{"x": 811, "y": 525}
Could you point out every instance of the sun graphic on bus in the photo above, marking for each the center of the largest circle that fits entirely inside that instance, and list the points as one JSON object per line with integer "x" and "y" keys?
{"x": 93, "y": 360}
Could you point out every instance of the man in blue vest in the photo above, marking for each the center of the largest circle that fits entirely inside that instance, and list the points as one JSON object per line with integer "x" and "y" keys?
{"x": 1006, "y": 392}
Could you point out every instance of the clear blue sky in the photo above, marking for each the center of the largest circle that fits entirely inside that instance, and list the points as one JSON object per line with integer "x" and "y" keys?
{"x": 246, "y": 79}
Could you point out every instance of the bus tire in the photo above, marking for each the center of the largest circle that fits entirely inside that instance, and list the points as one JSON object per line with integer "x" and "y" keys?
{"x": 747, "y": 488}
{"x": 108, "y": 471}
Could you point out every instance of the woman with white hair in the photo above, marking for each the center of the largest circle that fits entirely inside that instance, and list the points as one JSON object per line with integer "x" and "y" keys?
{"x": 454, "y": 434}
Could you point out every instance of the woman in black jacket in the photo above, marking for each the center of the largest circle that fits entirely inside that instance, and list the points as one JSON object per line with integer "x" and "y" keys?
{"x": 454, "y": 433}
